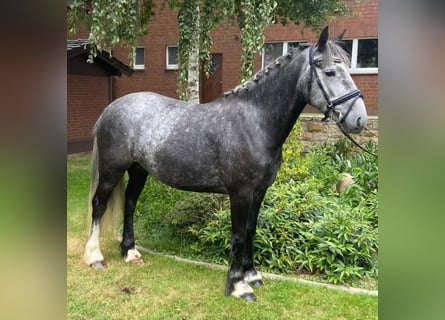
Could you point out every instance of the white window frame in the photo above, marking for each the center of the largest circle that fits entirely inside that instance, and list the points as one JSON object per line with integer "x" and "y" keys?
{"x": 171, "y": 66}
{"x": 354, "y": 53}
{"x": 138, "y": 66}
{"x": 285, "y": 48}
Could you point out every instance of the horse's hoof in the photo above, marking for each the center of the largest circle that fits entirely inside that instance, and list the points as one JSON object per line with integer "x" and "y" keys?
{"x": 136, "y": 261}
{"x": 133, "y": 256}
{"x": 257, "y": 283}
{"x": 98, "y": 265}
{"x": 242, "y": 290}
{"x": 249, "y": 297}
{"x": 253, "y": 278}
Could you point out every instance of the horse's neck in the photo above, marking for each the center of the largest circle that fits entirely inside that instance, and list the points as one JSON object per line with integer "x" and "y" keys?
{"x": 276, "y": 100}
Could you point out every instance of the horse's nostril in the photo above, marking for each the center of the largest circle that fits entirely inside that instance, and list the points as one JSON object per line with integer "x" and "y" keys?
{"x": 358, "y": 121}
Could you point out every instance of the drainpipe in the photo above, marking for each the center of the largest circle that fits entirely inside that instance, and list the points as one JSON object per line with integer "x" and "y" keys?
{"x": 110, "y": 89}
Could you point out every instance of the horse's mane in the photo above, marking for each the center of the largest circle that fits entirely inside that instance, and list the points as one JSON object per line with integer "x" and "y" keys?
{"x": 281, "y": 60}
{"x": 333, "y": 50}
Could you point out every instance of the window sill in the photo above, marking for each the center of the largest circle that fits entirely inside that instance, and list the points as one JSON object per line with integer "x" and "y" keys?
{"x": 364, "y": 71}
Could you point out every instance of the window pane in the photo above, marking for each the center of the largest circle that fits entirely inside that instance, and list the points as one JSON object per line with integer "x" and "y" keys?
{"x": 272, "y": 51}
{"x": 292, "y": 45}
{"x": 367, "y": 55}
{"x": 139, "y": 56}
{"x": 347, "y": 46}
{"x": 172, "y": 55}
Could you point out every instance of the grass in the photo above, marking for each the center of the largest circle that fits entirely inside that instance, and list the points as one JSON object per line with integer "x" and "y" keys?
{"x": 163, "y": 288}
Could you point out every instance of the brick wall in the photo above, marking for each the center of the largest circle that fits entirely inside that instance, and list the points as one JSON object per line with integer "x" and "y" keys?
{"x": 87, "y": 96}
{"x": 368, "y": 84}
{"x": 163, "y": 31}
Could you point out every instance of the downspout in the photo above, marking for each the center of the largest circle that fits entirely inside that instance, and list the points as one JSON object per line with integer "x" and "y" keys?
{"x": 110, "y": 89}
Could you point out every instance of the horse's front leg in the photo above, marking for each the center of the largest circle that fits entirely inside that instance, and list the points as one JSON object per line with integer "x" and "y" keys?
{"x": 236, "y": 285}
{"x": 136, "y": 181}
{"x": 251, "y": 275}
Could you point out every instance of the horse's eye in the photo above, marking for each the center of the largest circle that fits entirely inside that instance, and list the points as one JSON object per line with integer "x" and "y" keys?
{"x": 330, "y": 73}
{"x": 337, "y": 60}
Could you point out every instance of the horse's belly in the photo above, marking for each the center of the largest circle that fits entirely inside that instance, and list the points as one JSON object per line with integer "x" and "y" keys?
{"x": 191, "y": 180}
{"x": 192, "y": 171}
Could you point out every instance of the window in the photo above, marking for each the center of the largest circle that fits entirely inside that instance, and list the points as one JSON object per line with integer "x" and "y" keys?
{"x": 364, "y": 55}
{"x": 272, "y": 50}
{"x": 172, "y": 59}
{"x": 139, "y": 59}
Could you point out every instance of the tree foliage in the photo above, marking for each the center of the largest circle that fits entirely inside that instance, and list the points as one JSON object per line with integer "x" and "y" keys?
{"x": 112, "y": 22}
{"x": 252, "y": 17}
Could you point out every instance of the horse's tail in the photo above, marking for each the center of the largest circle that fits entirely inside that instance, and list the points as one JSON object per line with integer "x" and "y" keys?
{"x": 116, "y": 204}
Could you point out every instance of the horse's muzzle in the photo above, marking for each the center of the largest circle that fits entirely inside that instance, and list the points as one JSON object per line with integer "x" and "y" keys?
{"x": 353, "y": 124}
{"x": 359, "y": 125}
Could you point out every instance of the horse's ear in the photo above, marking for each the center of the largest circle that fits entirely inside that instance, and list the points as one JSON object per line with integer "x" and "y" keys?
{"x": 324, "y": 36}
{"x": 340, "y": 36}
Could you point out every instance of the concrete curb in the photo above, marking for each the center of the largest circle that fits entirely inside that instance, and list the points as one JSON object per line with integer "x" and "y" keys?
{"x": 272, "y": 276}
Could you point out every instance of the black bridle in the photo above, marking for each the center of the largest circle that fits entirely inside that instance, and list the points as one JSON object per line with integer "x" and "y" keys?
{"x": 331, "y": 104}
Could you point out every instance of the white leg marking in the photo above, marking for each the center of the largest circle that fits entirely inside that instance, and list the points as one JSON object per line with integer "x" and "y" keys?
{"x": 241, "y": 289}
{"x": 251, "y": 277}
{"x": 92, "y": 250}
{"x": 133, "y": 256}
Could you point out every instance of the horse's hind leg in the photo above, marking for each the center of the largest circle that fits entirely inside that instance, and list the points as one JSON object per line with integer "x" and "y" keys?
{"x": 137, "y": 177}
{"x": 105, "y": 188}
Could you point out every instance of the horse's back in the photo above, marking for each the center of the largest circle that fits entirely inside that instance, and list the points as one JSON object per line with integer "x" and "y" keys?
{"x": 133, "y": 107}
{"x": 168, "y": 137}
{"x": 136, "y": 113}
{"x": 188, "y": 146}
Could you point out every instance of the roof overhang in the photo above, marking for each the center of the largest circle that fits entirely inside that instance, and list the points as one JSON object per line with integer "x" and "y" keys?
{"x": 79, "y": 47}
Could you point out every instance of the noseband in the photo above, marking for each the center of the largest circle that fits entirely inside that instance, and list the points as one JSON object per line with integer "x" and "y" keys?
{"x": 330, "y": 105}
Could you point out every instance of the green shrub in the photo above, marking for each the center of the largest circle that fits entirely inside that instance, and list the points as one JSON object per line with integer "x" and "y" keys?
{"x": 197, "y": 209}
{"x": 213, "y": 240}
{"x": 291, "y": 165}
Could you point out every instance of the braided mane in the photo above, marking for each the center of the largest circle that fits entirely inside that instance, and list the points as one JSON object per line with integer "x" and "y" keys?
{"x": 333, "y": 50}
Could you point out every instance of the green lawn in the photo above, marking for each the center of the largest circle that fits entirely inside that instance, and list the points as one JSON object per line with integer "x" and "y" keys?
{"x": 163, "y": 288}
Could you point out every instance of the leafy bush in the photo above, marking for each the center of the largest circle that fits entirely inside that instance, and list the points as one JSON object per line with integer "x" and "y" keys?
{"x": 213, "y": 240}
{"x": 196, "y": 210}
{"x": 156, "y": 200}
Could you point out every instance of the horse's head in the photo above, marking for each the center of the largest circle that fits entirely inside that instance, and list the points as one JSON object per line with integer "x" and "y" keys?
{"x": 330, "y": 87}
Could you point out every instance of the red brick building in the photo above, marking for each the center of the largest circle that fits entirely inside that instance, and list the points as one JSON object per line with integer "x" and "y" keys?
{"x": 155, "y": 74}
{"x": 89, "y": 90}
{"x": 156, "y": 61}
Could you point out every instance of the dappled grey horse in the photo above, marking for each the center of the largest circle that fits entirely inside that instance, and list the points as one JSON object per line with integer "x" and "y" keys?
{"x": 232, "y": 145}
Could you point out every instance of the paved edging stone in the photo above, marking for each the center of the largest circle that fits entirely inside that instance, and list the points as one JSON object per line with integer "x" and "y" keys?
{"x": 268, "y": 275}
